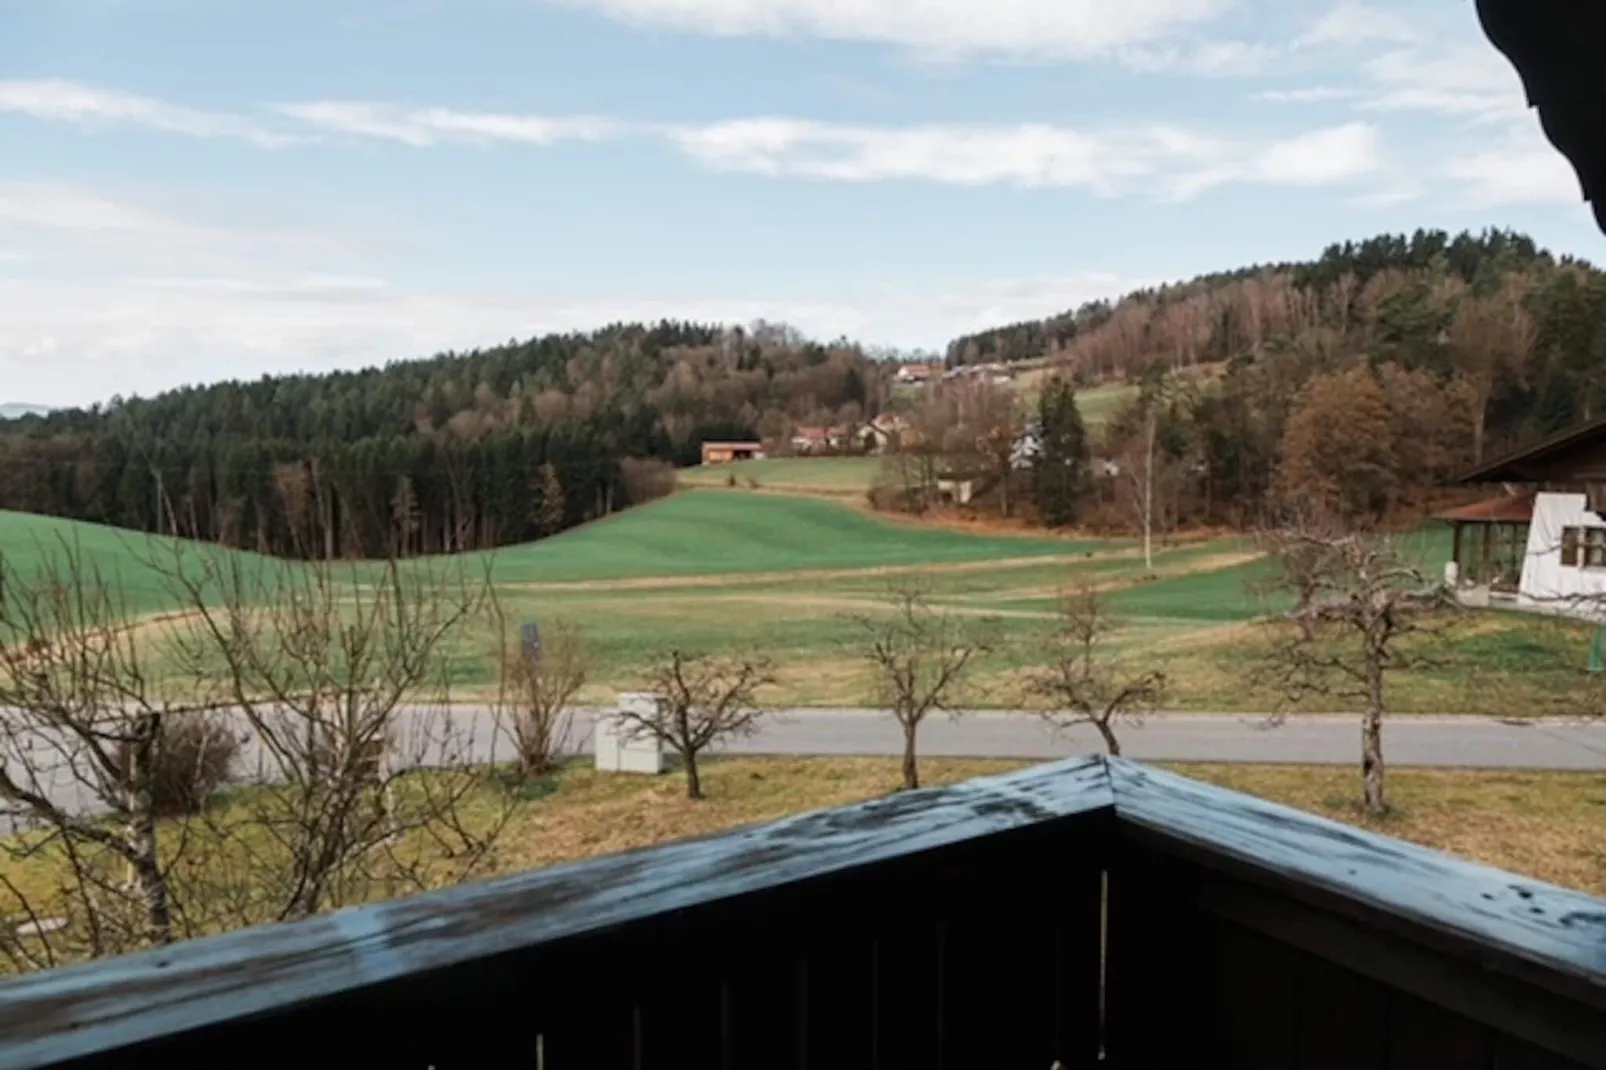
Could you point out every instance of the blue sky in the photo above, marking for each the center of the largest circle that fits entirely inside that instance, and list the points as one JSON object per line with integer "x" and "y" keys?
{"x": 200, "y": 189}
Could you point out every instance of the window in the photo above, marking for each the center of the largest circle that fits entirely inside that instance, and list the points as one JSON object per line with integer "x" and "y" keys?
{"x": 1594, "y": 547}
{"x": 1583, "y": 547}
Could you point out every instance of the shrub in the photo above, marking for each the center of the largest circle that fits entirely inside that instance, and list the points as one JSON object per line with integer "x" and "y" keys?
{"x": 195, "y": 756}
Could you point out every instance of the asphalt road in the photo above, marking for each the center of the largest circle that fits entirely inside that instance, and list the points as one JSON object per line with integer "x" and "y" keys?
{"x": 1468, "y": 742}
{"x": 1456, "y": 741}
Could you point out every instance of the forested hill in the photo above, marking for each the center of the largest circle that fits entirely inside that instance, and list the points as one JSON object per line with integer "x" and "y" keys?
{"x": 458, "y": 451}
{"x": 1219, "y": 316}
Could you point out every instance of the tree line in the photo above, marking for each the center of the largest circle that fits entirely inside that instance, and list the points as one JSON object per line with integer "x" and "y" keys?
{"x": 461, "y": 451}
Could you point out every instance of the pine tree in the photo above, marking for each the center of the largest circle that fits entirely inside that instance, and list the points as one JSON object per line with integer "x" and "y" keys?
{"x": 1059, "y": 471}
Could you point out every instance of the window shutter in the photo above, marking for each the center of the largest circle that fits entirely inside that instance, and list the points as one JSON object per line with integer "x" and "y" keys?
{"x": 1569, "y": 546}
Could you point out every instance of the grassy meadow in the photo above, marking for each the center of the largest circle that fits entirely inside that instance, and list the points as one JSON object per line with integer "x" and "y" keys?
{"x": 789, "y": 576}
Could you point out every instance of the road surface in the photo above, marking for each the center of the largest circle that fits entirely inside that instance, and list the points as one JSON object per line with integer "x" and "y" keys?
{"x": 1473, "y": 742}
{"x": 1470, "y": 742}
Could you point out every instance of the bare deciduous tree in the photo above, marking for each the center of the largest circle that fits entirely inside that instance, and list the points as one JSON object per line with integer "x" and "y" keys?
{"x": 537, "y": 691}
{"x": 920, "y": 656}
{"x": 340, "y": 674}
{"x": 1081, "y": 683}
{"x": 83, "y": 779}
{"x": 702, "y": 699}
{"x": 1366, "y": 602}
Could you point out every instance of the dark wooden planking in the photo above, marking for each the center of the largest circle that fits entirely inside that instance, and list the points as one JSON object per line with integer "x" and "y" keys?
{"x": 1492, "y": 913}
{"x": 1154, "y": 977}
{"x": 1420, "y": 1034}
{"x": 1343, "y": 1019}
{"x": 1253, "y": 990}
{"x": 1021, "y": 947}
{"x": 120, "y": 1002}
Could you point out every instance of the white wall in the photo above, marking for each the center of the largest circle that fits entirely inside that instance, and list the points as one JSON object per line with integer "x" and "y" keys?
{"x": 1547, "y": 584}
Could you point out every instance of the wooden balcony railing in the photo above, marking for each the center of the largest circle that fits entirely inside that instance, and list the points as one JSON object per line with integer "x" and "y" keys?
{"x": 1091, "y": 913}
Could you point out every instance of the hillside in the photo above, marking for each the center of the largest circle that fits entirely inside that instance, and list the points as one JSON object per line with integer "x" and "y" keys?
{"x": 131, "y": 563}
{"x": 1359, "y": 379}
{"x": 709, "y": 532}
{"x": 461, "y": 451}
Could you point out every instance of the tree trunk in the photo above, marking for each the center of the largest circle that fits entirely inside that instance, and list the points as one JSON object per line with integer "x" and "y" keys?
{"x": 1372, "y": 744}
{"x": 694, "y": 781}
{"x": 1111, "y": 744}
{"x": 911, "y": 768}
{"x": 144, "y": 859}
{"x": 1148, "y": 498}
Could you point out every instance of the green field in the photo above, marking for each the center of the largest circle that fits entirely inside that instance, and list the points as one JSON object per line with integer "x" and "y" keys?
{"x": 131, "y": 562}
{"x": 845, "y": 477}
{"x": 789, "y": 576}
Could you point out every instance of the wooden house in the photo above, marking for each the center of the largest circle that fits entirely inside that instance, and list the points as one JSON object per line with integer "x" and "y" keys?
{"x": 1544, "y": 548}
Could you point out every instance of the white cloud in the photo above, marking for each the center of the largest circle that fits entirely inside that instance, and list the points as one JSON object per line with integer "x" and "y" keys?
{"x": 136, "y": 318}
{"x": 433, "y": 126}
{"x": 1315, "y": 94}
{"x": 55, "y": 100}
{"x": 1074, "y": 28}
{"x": 1519, "y": 171}
{"x": 1355, "y": 24}
{"x": 1233, "y": 59}
{"x": 1463, "y": 81}
{"x": 1153, "y": 158}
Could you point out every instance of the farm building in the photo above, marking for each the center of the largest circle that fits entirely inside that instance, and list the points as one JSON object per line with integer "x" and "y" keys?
{"x": 1545, "y": 548}
{"x": 730, "y": 452}
{"x": 916, "y": 373}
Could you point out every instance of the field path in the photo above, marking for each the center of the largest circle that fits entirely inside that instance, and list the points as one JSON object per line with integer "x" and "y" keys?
{"x": 1216, "y": 562}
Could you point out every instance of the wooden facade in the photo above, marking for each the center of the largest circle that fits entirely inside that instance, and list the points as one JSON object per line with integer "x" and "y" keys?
{"x": 1090, "y": 913}
{"x": 731, "y": 452}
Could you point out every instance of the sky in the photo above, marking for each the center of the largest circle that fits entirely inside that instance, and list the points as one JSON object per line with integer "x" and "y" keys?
{"x": 194, "y": 190}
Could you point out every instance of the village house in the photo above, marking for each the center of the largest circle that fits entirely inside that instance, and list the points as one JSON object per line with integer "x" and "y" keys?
{"x": 916, "y": 373}
{"x": 731, "y": 452}
{"x": 882, "y": 434}
{"x": 807, "y": 441}
{"x": 1541, "y": 544}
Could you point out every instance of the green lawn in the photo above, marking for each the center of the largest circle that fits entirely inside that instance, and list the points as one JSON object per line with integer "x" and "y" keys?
{"x": 708, "y": 532}
{"x": 834, "y": 476}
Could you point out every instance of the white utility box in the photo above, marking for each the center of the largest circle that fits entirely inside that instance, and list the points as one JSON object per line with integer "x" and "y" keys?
{"x": 620, "y": 751}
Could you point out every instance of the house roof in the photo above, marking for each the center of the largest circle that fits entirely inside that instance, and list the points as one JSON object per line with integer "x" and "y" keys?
{"x": 1554, "y": 45}
{"x": 1511, "y": 467}
{"x": 1506, "y": 509}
